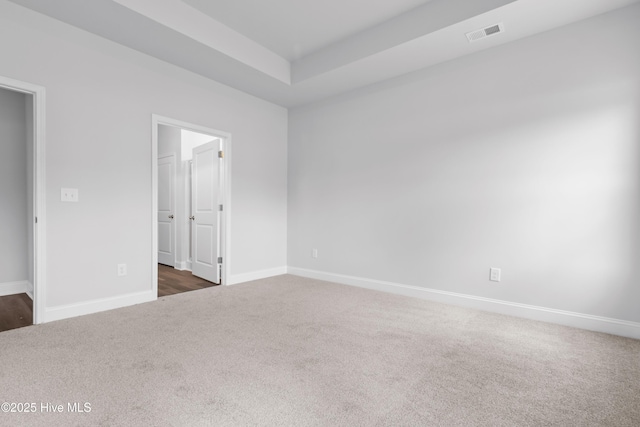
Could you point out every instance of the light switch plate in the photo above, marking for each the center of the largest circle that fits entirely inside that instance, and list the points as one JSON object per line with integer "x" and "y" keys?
{"x": 69, "y": 194}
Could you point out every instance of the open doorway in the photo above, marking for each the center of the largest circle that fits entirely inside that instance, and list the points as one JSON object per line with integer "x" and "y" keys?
{"x": 22, "y": 213}
{"x": 191, "y": 201}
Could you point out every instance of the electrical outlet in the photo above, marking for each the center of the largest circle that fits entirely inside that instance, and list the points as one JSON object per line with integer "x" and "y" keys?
{"x": 69, "y": 194}
{"x": 314, "y": 253}
{"x": 495, "y": 274}
{"x": 122, "y": 269}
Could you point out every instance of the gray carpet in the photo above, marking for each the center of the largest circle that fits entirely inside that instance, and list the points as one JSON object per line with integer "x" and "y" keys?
{"x": 296, "y": 352}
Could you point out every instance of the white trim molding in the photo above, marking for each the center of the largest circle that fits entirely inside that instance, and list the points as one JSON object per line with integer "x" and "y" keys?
{"x": 256, "y": 275}
{"x": 30, "y": 290}
{"x": 95, "y": 306}
{"x": 12, "y": 288}
{"x": 183, "y": 265}
{"x": 567, "y": 318}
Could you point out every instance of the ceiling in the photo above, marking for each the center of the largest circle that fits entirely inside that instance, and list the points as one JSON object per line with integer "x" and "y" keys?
{"x": 294, "y": 52}
{"x": 295, "y": 28}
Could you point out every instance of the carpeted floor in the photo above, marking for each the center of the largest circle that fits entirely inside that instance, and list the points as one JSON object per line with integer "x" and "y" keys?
{"x": 300, "y": 352}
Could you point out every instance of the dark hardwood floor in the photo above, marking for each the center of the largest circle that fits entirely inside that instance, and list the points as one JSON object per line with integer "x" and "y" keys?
{"x": 172, "y": 281}
{"x": 16, "y": 311}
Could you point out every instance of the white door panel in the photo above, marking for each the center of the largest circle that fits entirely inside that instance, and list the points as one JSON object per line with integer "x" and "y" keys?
{"x": 204, "y": 251}
{"x": 164, "y": 238}
{"x": 166, "y": 203}
{"x": 204, "y": 211}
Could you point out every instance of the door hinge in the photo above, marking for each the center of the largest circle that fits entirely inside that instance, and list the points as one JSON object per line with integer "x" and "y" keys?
{"x": 221, "y": 154}
{"x": 219, "y": 260}
{"x": 220, "y": 208}
{"x": 36, "y": 220}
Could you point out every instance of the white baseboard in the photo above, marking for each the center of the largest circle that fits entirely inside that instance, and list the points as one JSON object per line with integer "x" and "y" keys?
{"x": 578, "y": 320}
{"x": 256, "y": 275}
{"x": 183, "y": 265}
{"x": 30, "y": 290}
{"x": 12, "y": 288}
{"x": 95, "y": 306}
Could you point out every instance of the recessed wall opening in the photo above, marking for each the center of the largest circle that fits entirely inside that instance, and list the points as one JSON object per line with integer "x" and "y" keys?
{"x": 191, "y": 176}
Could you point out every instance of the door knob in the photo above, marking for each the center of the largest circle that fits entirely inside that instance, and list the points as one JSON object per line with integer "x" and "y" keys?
{"x": 171, "y": 216}
{"x": 192, "y": 217}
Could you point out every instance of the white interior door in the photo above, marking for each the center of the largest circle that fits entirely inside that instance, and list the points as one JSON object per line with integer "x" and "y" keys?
{"x": 166, "y": 203}
{"x": 205, "y": 228}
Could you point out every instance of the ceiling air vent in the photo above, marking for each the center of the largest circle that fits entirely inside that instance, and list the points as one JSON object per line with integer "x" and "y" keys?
{"x": 485, "y": 32}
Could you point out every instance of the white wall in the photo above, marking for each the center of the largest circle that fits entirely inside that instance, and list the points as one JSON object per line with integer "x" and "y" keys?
{"x": 13, "y": 187}
{"x": 190, "y": 140}
{"x": 100, "y": 98}
{"x": 524, "y": 157}
{"x": 169, "y": 138}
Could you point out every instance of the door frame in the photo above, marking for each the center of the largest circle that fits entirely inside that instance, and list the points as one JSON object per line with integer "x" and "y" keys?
{"x": 39, "y": 187}
{"x": 225, "y": 193}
